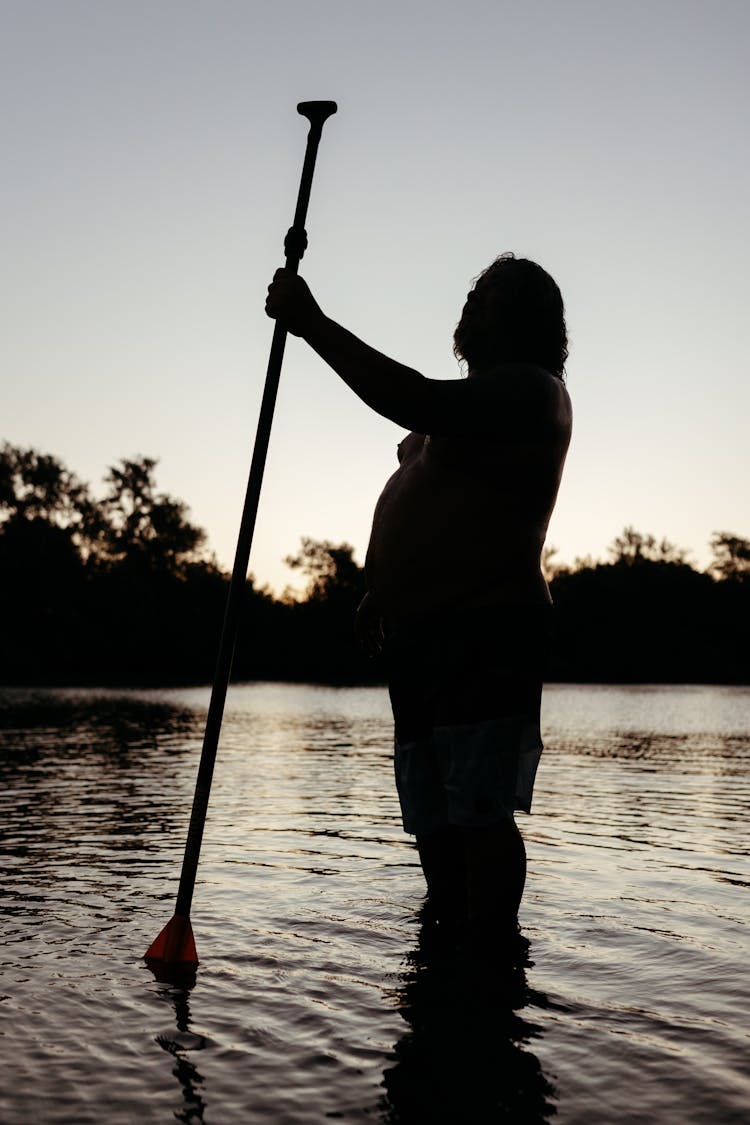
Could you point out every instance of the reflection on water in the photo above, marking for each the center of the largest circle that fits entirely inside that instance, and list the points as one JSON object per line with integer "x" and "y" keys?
{"x": 465, "y": 1055}
{"x": 320, "y": 994}
{"x": 179, "y": 1045}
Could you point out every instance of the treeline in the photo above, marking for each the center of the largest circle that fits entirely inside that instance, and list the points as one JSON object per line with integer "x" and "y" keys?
{"x": 120, "y": 589}
{"x": 648, "y": 616}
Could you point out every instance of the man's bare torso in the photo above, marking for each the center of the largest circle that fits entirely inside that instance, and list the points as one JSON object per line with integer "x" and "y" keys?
{"x": 462, "y": 522}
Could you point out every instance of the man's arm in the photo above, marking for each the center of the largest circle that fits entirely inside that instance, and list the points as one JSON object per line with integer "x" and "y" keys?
{"x": 515, "y": 399}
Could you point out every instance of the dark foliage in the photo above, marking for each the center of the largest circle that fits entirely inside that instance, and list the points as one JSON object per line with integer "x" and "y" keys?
{"x": 650, "y": 617}
{"x": 659, "y": 622}
{"x": 118, "y": 591}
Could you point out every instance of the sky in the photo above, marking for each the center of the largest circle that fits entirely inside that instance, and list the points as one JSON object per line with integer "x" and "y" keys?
{"x": 152, "y": 153}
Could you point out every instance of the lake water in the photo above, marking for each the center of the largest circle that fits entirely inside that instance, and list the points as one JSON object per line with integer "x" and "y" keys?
{"x": 317, "y": 998}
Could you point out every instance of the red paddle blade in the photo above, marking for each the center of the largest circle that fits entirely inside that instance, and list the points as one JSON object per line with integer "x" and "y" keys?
{"x": 175, "y": 944}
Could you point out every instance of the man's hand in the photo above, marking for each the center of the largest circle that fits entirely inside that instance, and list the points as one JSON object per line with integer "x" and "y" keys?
{"x": 291, "y": 302}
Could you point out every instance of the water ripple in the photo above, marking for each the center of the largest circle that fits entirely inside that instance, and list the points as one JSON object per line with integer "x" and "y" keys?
{"x": 318, "y": 996}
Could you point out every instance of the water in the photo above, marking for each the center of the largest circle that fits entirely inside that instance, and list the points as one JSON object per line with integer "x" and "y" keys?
{"x": 317, "y": 998}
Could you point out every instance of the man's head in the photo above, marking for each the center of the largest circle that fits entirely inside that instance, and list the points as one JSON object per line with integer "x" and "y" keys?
{"x": 514, "y": 313}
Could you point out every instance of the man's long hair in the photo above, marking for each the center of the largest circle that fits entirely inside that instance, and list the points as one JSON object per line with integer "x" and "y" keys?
{"x": 515, "y": 313}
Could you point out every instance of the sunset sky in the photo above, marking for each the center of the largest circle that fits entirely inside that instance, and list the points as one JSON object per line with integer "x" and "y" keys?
{"x": 151, "y": 158}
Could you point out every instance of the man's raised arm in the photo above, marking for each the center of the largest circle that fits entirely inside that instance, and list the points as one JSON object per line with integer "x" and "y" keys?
{"x": 513, "y": 400}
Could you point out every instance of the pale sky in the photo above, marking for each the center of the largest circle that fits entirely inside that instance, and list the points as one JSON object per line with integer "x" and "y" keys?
{"x": 151, "y": 158}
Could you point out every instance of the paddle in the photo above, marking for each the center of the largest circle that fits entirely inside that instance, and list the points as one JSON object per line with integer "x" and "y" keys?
{"x": 175, "y": 944}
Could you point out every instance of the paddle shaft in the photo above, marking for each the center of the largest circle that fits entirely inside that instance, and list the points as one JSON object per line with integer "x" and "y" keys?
{"x": 294, "y": 246}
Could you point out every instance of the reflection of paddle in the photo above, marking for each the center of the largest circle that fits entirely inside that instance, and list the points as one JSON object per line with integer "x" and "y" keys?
{"x": 175, "y": 944}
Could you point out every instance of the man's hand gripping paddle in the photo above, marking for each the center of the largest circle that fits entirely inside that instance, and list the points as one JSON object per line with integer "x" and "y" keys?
{"x": 175, "y": 944}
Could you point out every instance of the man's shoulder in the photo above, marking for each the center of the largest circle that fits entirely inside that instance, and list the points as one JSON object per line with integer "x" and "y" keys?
{"x": 535, "y": 399}
{"x": 520, "y": 379}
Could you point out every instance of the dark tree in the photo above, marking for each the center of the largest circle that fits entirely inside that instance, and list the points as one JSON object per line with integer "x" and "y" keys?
{"x": 112, "y": 590}
{"x": 330, "y": 570}
{"x": 38, "y": 486}
{"x": 146, "y": 530}
{"x": 631, "y": 548}
{"x": 322, "y": 626}
{"x": 731, "y": 556}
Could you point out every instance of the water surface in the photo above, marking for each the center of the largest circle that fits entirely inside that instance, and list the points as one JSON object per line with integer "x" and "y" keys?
{"x": 318, "y": 996}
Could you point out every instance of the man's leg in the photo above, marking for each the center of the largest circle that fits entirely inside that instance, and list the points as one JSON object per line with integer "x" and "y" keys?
{"x": 475, "y": 874}
{"x": 443, "y": 857}
{"x": 495, "y": 875}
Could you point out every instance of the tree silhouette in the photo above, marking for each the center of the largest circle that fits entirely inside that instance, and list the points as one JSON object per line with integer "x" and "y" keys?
{"x": 731, "y": 559}
{"x": 322, "y": 625}
{"x": 330, "y": 569}
{"x": 143, "y": 529}
{"x": 39, "y": 487}
{"x": 632, "y": 547}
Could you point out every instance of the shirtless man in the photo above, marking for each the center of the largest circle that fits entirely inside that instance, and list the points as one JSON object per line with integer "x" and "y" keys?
{"x": 455, "y": 589}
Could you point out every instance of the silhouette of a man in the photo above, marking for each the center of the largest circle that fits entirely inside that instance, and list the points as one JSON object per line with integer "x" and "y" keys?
{"x": 456, "y": 594}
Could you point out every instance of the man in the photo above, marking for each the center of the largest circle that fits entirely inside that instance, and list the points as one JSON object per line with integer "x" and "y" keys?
{"x": 455, "y": 589}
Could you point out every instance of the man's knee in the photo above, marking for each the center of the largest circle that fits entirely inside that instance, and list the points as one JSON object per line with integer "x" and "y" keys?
{"x": 494, "y": 838}
{"x": 441, "y": 850}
